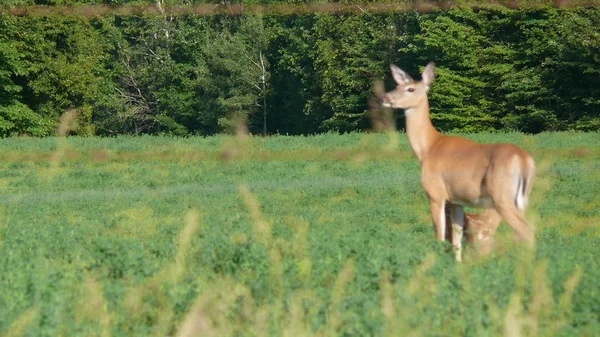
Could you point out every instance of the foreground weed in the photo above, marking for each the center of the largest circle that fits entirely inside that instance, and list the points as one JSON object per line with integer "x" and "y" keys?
{"x": 541, "y": 317}
{"x": 93, "y": 308}
{"x": 21, "y": 324}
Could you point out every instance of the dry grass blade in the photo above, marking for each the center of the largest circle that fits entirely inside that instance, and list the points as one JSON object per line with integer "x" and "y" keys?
{"x": 344, "y": 277}
{"x": 528, "y": 319}
{"x": 66, "y": 122}
{"x": 388, "y": 308}
{"x": 192, "y": 223}
{"x": 542, "y": 298}
{"x": 416, "y": 283}
{"x": 237, "y": 147}
{"x": 151, "y": 299}
{"x": 93, "y": 306}
{"x": 64, "y": 126}
{"x": 19, "y": 326}
{"x": 512, "y": 320}
{"x": 382, "y": 119}
{"x": 262, "y": 226}
{"x": 567, "y": 297}
{"x": 210, "y": 314}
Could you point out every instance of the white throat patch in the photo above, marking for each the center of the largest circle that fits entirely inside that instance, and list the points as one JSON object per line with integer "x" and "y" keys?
{"x": 408, "y": 112}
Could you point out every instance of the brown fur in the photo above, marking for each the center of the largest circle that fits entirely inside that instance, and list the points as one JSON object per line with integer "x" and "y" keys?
{"x": 478, "y": 229}
{"x": 457, "y": 172}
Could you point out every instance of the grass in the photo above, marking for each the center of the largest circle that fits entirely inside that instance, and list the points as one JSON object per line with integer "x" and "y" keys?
{"x": 326, "y": 235}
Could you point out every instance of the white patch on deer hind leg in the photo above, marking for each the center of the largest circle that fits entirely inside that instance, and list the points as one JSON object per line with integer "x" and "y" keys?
{"x": 517, "y": 183}
{"x": 528, "y": 182}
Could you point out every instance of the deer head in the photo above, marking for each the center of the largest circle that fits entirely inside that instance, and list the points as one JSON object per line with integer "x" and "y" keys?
{"x": 408, "y": 93}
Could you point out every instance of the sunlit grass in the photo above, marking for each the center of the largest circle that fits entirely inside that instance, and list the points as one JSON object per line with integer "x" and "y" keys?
{"x": 287, "y": 236}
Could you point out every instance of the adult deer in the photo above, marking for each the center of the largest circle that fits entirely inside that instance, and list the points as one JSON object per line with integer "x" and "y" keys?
{"x": 457, "y": 172}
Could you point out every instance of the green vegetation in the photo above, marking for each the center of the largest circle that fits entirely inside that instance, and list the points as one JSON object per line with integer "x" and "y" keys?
{"x": 530, "y": 70}
{"x": 300, "y": 236}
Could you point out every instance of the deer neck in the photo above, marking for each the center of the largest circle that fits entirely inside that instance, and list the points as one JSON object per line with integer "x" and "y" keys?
{"x": 421, "y": 133}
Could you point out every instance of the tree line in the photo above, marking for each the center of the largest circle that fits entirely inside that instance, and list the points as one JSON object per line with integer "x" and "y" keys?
{"x": 530, "y": 70}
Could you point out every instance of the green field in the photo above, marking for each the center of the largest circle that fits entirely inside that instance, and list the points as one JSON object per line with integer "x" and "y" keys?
{"x": 326, "y": 235}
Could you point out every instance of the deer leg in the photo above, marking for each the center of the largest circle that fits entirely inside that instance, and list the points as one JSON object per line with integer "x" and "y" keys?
{"x": 439, "y": 218}
{"x": 506, "y": 187}
{"x": 457, "y": 217}
{"x": 517, "y": 221}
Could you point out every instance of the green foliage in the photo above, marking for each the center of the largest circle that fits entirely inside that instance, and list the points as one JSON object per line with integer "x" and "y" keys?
{"x": 510, "y": 69}
{"x": 184, "y": 75}
{"x": 18, "y": 119}
{"x": 351, "y": 52}
{"x": 236, "y": 63}
{"x": 293, "y": 101}
{"x": 54, "y": 64}
{"x": 15, "y": 117}
{"x": 531, "y": 70}
{"x": 565, "y": 65}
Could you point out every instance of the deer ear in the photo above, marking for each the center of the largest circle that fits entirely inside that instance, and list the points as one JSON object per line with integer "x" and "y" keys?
{"x": 428, "y": 74}
{"x": 400, "y": 76}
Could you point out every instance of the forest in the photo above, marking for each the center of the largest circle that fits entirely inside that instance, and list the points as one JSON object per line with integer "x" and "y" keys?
{"x": 530, "y": 70}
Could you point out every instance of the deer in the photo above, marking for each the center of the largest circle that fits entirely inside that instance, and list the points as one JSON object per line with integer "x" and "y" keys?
{"x": 457, "y": 172}
{"x": 477, "y": 229}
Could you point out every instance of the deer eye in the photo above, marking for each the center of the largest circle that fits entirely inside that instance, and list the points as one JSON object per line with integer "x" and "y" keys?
{"x": 410, "y": 89}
